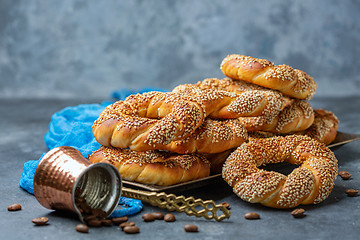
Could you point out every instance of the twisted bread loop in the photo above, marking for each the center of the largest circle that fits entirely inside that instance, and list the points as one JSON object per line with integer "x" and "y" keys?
{"x": 310, "y": 183}
{"x": 153, "y": 167}
{"x": 158, "y": 118}
{"x": 225, "y": 84}
{"x": 293, "y": 118}
{"x": 230, "y": 85}
{"x": 291, "y": 82}
{"x": 122, "y": 122}
{"x": 323, "y": 129}
{"x": 213, "y": 136}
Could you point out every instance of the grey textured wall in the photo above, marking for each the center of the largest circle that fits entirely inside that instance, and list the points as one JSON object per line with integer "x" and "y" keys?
{"x": 79, "y": 48}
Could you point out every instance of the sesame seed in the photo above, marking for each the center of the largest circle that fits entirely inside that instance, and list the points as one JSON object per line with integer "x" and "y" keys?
{"x": 154, "y": 167}
{"x": 291, "y": 82}
{"x": 312, "y": 182}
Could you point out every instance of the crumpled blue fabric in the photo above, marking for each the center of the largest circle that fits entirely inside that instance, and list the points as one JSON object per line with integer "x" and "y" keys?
{"x": 72, "y": 126}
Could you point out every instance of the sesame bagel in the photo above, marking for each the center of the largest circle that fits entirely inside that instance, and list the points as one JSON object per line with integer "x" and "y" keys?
{"x": 157, "y": 118}
{"x": 230, "y": 85}
{"x": 293, "y": 118}
{"x": 310, "y": 183}
{"x": 226, "y": 84}
{"x": 153, "y": 167}
{"x": 213, "y": 136}
{"x": 291, "y": 82}
{"x": 323, "y": 129}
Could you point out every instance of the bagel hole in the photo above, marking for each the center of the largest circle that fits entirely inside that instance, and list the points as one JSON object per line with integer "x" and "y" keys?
{"x": 283, "y": 167}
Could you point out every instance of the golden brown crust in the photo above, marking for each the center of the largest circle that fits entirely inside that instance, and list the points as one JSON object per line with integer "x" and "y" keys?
{"x": 226, "y": 84}
{"x": 230, "y": 85}
{"x": 157, "y": 118}
{"x": 293, "y": 118}
{"x": 291, "y": 82}
{"x": 154, "y": 167}
{"x": 213, "y": 136}
{"x": 311, "y": 183}
{"x": 323, "y": 129}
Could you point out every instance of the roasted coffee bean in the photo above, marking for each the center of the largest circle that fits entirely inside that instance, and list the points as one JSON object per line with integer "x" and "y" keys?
{"x": 14, "y": 207}
{"x": 106, "y": 222}
{"x": 98, "y": 213}
{"x": 82, "y": 228}
{"x": 345, "y": 175}
{"x": 169, "y": 218}
{"x": 126, "y": 224}
{"x": 227, "y": 205}
{"x": 40, "y": 221}
{"x": 190, "y": 228}
{"x": 94, "y": 223}
{"x": 89, "y": 218}
{"x": 158, "y": 215}
{"x": 119, "y": 220}
{"x": 351, "y": 192}
{"x": 84, "y": 208}
{"x": 251, "y": 216}
{"x": 131, "y": 229}
{"x": 148, "y": 217}
{"x": 298, "y": 213}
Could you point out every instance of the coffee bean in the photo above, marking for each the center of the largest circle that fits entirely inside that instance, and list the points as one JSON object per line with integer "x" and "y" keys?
{"x": 298, "y": 213}
{"x": 190, "y": 228}
{"x": 126, "y": 224}
{"x": 345, "y": 175}
{"x": 84, "y": 208}
{"x": 119, "y": 220}
{"x": 82, "y": 228}
{"x": 94, "y": 223}
{"x": 98, "y": 213}
{"x": 41, "y": 221}
{"x": 89, "y": 218}
{"x": 351, "y": 192}
{"x": 106, "y": 222}
{"x": 158, "y": 215}
{"x": 251, "y": 216}
{"x": 148, "y": 217}
{"x": 227, "y": 205}
{"x": 169, "y": 218}
{"x": 131, "y": 229}
{"x": 14, "y": 207}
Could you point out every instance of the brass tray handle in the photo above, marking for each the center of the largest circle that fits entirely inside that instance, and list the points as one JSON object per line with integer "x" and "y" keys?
{"x": 171, "y": 202}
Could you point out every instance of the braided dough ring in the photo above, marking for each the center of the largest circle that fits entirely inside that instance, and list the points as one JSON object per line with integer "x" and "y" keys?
{"x": 323, "y": 129}
{"x": 158, "y": 118}
{"x": 310, "y": 183}
{"x": 227, "y": 84}
{"x": 213, "y": 136}
{"x": 293, "y": 118}
{"x": 153, "y": 167}
{"x": 291, "y": 82}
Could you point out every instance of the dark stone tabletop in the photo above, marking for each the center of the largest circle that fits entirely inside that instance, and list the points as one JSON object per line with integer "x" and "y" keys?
{"x": 23, "y": 124}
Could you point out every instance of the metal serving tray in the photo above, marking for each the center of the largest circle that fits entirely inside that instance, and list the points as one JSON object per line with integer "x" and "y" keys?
{"x": 341, "y": 139}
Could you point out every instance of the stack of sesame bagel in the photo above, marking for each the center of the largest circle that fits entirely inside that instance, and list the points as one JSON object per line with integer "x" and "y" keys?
{"x": 259, "y": 114}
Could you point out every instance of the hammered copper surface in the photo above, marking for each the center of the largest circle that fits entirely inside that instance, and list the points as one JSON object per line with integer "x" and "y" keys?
{"x": 63, "y": 170}
{"x": 55, "y": 177}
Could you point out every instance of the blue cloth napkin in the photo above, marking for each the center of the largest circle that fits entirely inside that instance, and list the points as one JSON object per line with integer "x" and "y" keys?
{"x": 72, "y": 126}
